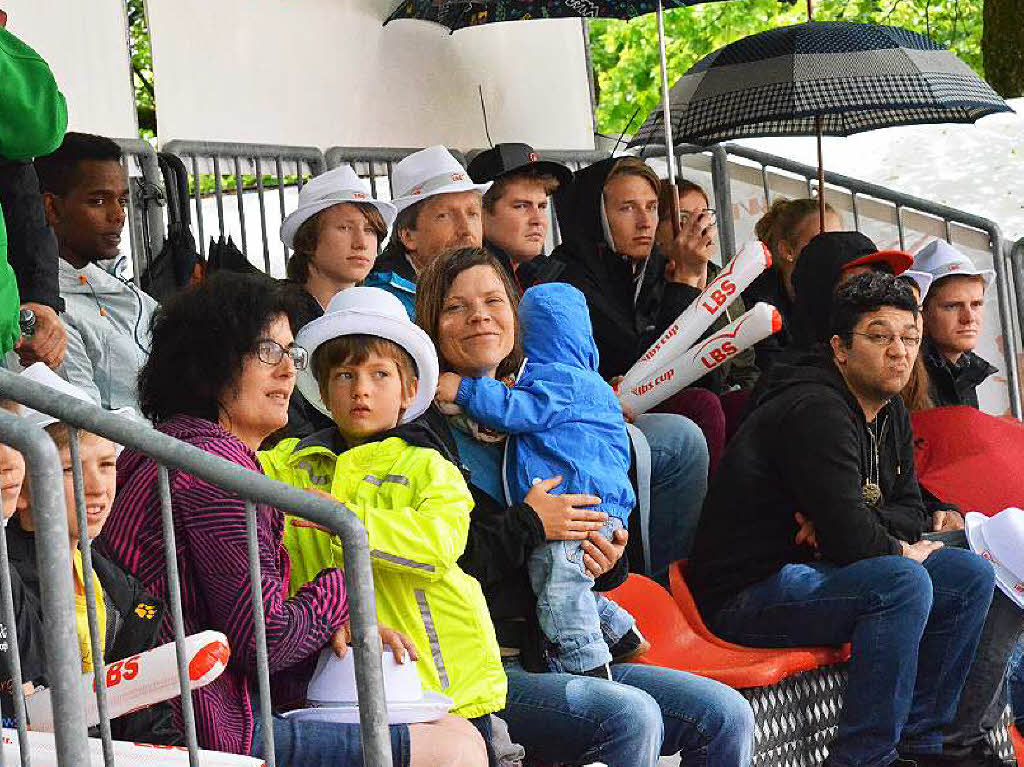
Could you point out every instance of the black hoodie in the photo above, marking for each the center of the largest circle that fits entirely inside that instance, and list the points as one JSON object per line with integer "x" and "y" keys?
{"x": 806, "y": 448}
{"x": 954, "y": 383}
{"x": 623, "y": 329}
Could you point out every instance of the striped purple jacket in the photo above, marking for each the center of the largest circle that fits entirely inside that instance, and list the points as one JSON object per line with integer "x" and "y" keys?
{"x": 209, "y": 525}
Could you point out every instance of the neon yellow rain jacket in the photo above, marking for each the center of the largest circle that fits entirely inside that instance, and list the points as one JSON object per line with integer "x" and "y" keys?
{"x": 415, "y": 506}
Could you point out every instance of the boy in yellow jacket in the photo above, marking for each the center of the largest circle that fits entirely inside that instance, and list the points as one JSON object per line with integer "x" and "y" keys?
{"x": 373, "y": 371}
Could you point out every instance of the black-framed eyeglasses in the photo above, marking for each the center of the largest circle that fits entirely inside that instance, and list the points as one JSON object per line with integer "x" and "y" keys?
{"x": 886, "y": 340}
{"x": 271, "y": 352}
{"x": 685, "y": 216}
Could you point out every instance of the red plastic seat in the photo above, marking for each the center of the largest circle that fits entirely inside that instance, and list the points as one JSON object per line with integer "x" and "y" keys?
{"x": 678, "y": 643}
{"x": 824, "y": 656}
{"x": 1018, "y": 744}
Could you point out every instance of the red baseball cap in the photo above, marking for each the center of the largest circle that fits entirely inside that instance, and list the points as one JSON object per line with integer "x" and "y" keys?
{"x": 897, "y": 260}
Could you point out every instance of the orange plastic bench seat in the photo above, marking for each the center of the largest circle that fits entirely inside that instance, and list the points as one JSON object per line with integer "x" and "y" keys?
{"x": 679, "y": 644}
{"x": 1018, "y": 743}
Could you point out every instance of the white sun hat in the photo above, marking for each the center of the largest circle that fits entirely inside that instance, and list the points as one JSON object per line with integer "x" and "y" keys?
{"x": 923, "y": 280}
{"x": 430, "y": 172}
{"x": 372, "y": 312}
{"x": 330, "y": 189}
{"x": 940, "y": 259}
{"x": 1000, "y": 540}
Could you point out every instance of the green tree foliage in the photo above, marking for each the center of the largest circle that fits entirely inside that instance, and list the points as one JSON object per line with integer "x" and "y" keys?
{"x": 142, "y": 68}
{"x": 625, "y": 54}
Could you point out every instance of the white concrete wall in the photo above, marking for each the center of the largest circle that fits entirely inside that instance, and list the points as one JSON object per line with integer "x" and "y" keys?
{"x": 326, "y": 72}
{"x": 85, "y": 43}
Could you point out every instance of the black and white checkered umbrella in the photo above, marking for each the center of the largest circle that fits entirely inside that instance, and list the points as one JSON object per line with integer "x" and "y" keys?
{"x": 829, "y": 78}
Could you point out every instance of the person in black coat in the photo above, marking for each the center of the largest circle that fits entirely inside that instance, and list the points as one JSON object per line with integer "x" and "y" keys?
{"x": 829, "y": 441}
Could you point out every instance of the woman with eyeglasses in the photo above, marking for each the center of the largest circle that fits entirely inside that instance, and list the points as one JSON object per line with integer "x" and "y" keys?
{"x": 219, "y": 376}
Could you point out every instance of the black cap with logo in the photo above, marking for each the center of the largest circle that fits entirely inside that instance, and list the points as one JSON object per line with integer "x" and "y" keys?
{"x": 504, "y": 159}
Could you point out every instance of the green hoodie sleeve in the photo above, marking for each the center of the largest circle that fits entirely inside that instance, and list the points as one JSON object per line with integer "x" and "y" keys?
{"x": 33, "y": 118}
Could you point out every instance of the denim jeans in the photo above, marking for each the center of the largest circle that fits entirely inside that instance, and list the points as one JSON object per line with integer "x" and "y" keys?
{"x": 679, "y": 481}
{"x": 913, "y": 631}
{"x": 578, "y": 624}
{"x": 1015, "y": 684}
{"x": 646, "y": 712}
{"x": 324, "y": 744}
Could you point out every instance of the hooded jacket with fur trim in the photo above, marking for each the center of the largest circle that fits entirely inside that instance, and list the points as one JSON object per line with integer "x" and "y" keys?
{"x": 416, "y": 507}
{"x": 805, "y": 447}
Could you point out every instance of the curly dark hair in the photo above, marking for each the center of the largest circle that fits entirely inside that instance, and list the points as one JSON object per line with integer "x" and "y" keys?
{"x": 867, "y": 293}
{"x": 200, "y": 338}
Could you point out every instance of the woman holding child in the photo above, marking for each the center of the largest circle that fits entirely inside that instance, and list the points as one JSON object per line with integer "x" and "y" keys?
{"x": 219, "y": 376}
{"x": 468, "y": 306}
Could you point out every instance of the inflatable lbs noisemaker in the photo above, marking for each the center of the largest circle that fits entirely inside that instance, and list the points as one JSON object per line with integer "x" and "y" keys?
{"x": 689, "y": 326}
{"x": 141, "y": 680}
{"x": 44, "y": 753}
{"x": 757, "y": 324}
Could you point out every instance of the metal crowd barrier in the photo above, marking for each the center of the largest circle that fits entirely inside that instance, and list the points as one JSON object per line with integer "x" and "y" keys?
{"x": 223, "y": 159}
{"x": 145, "y": 203}
{"x": 63, "y": 661}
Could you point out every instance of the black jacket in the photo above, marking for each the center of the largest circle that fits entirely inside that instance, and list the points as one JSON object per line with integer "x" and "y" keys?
{"x": 954, "y": 384}
{"x": 623, "y": 329}
{"x": 133, "y": 620}
{"x": 29, "y": 624}
{"x": 805, "y": 448}
{"x": 31, "y": 244}
{"x": 541, "y": 269}
{"x": 500, "y": 541}
{"x": 769, "y": 288}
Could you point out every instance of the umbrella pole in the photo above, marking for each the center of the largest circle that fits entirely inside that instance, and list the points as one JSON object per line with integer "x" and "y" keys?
{"x": 666, "y": 114}
{"x": 821, "y": 176}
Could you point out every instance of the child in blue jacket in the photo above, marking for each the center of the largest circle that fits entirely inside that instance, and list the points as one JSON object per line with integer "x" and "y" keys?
{"x": 563, "y": 419}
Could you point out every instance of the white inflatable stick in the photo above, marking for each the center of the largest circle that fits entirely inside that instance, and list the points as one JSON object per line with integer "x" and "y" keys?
{"x": 44, "y": 753}
{"x": 142, "y": 680}
{"x": 757, "y": 324}
{"x": 753, "y": 258}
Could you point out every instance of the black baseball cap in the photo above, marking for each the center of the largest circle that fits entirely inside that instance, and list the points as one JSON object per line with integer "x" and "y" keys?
{"x": 504, "y": 159}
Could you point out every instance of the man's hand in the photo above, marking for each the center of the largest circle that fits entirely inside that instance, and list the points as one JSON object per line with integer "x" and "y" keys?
{"x": 600, "y": 554}
{"x": 947, "y": 520}
{"x": 690, "y": 251}
{"x": 447, "y": 387}
{"x": 48, "y": 342}
{"x": 921, "y": 550}
{"x": 806, "y": 535}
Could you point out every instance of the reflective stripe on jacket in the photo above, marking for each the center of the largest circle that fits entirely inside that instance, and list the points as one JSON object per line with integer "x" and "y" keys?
{"x": 415, "y": 506}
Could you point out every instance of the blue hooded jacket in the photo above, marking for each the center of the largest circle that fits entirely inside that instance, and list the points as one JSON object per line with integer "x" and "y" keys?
{"x": 562, "y": 418}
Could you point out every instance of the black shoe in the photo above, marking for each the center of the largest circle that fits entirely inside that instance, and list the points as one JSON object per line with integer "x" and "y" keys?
{"x": 604, "y": 671}
{"x": 630, "y": 646}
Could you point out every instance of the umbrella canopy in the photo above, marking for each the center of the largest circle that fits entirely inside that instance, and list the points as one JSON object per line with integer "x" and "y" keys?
{"x": 456, "y": 14}
{"x": 820, "y": 77}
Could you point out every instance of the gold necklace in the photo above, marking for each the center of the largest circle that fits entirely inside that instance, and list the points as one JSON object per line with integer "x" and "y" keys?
{"x": 872, "y": 491}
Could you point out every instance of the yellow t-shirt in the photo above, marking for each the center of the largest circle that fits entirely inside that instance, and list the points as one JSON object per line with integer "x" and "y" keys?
{"x": 82, "y": 614}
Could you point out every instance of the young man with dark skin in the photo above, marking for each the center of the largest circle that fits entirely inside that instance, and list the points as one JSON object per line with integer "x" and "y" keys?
{"x": 85, "y": 196}
{"x": 830, "y": 438}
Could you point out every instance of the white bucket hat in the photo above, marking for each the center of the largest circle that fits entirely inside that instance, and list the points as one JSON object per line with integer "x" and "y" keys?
{"x": 923, "y": 280}
{"x": 1000, "y": 540}
{"x": 329, "y": 189}
{"x": 372, "y": 312}
{"x": 430, "y": 172}
{"x": 940, "y": 259}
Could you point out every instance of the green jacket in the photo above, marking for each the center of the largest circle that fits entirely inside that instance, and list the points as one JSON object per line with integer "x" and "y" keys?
{"x": 33, "y": 118}
{"x": 415, "y": 505}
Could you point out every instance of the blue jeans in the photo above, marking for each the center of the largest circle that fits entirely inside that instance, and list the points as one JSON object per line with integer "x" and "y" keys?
{"x": 679, "y": 481}
{"x": 1015, "y": 683}
{"x": 913, "y": 630}
{"x": 645, "y": 712}
{"x": 578, "y": 624}
{"x": 324, "y": 744}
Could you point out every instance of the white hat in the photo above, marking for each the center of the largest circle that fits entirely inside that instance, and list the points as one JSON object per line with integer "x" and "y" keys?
{"x": 940, "y": 259}
{"x": 429, "y": 172}
{"x": 329, "y": 189}
{"x": 923, "y": 280}
{"x": 373, "y": 312}
{"x": 1000, "y": 540}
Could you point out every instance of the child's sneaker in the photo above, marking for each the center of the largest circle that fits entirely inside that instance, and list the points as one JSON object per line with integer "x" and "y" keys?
{"x": 604, "y": 671}
{"x": 630, "y": 646}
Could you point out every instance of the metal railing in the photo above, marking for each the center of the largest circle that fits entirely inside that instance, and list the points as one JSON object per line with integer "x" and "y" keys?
{"x": 63, "y": 658}
{"x": 224, "y": 160}
{"x": 145, "y": 203}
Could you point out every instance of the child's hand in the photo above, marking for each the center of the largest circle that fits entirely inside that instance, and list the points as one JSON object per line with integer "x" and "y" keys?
{"x": 447, "y": 387}
{"x": 300, "y": 522}
{"x": 399, "y": 644}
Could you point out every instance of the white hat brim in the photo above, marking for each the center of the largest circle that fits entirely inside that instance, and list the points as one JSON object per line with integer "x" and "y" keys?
{"x": 352, "y": 322}
{"x": 988, "y": 275}
{"x": 401, "y": 203}
{"x": 1008, "y": 583}
{"x": 303, "y": 213}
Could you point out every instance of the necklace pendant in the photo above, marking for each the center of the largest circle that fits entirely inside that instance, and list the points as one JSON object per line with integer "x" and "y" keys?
{"x": 872, "y": 493}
